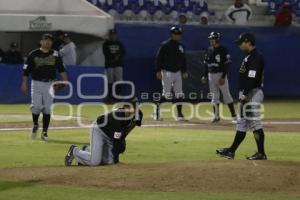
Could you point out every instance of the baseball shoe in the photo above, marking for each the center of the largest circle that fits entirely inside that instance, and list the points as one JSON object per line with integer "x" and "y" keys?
{"x": 84, "y": 147}
{"x": 34, "y": 131}
{"x": 216, "y": 120}
{"x": 224, "y": 152}
{"x": 156, "y": 117}
{"x": 70, "y": 156}
{"x": 257, "y": 156}
{"x": 181, "y": 118}
{"x": 44, "y": 136}
{"x": 234, "y": 120}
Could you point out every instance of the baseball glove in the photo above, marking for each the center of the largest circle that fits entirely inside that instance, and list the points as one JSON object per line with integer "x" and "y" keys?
{"x": 59, "y": 86}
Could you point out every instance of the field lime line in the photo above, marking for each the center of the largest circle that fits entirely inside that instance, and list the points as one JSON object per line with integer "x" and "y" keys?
{"x": 150, "y": 125}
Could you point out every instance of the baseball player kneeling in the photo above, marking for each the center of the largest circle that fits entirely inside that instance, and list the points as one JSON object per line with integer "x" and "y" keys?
{"x": 108, "y": 135}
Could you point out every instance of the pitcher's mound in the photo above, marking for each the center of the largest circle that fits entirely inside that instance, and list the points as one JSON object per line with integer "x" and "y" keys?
{"x": 198, "y": 176}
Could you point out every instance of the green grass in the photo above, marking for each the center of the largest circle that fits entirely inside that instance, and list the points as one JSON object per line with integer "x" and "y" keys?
{"x": 145, "y": 145}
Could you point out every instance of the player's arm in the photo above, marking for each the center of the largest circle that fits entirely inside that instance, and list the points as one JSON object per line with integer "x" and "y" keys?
{"x": 184, "y": 68}
{"x": 61, "y": 69}
{"x": 27, "y": 68}
{"x": 205, "y": 64}
{"x": 226, "y": 60}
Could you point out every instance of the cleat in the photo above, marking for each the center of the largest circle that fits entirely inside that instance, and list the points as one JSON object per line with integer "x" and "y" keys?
{"x": 44, "y": 136}
{"x": 70, "y": 156}
{"x": 180, "y": 118}
{"x": 216, "y": 120}
{"x": 224, "y": 152}
{"x": 85, "y": 147}
{"x": 234, "y": 120}
{"x": 34, "y": 131}
{"x": 257, "y": 156}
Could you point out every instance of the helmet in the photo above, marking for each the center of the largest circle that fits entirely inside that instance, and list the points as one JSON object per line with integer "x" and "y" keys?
{"x": 176, "y": 30}
{"x": 214, "y": 35}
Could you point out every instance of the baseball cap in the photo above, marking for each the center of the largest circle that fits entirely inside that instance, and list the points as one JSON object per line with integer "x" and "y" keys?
{"x": 245, "y": 37}
{"x": 47, "y": 36}
{"x": 176, "y": 30}
{"x": 214, "y": 35}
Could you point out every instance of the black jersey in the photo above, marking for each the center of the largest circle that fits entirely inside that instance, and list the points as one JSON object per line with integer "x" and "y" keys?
{"x": 114, "y": 52}
{"x": 43, "y": 66}
{"x": 116, "y": 126}
{"x": 171, "y": 57}
{"x": 217, "y": 60}
{"x": 251, "y": 72}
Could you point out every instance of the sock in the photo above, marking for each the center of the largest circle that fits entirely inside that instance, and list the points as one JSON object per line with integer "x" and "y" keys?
{"x": 260, "y": 139}
{"x": 238, "y": 139}
{"x": 35, "y": 119}
{"x": 231, "y": 109}
{"x": 46, "y": 122}
{"x": 179, "y": 110}
{"x": 109, "y": 92}
{"x": 216, "y": 110}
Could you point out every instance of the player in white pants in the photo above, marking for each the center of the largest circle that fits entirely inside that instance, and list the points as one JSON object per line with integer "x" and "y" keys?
{"x": 170, "y": 69}
{"x": 217, "y": 62}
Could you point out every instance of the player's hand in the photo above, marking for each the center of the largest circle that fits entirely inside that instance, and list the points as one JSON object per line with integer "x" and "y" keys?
{"x": 24, "y": 88}
{"x": 204, "y": 80}
{"x": 158, "y": 76}
{"x": 243, "y": 98}
{"x": 221, "y": 81}
{"x": 185, "y": 75}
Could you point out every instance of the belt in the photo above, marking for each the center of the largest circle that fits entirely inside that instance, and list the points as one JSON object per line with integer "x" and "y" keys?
{"x": 43, "y": 80}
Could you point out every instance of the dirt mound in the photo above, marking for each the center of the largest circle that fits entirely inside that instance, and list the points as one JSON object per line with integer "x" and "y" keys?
{"x": 198, "y": 176}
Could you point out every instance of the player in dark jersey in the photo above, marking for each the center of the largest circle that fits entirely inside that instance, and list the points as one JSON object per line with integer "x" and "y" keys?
{"x": 170, "y": 69}
{"x": 250, "y": 96}
{"x": 217, "y": 61}
{"x": 114, "y": 53}
{"x": 108, "y": 135}
{"x": 42, "y": 64}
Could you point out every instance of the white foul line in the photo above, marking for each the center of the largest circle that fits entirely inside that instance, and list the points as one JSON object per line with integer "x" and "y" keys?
{"x": 149, "y": 125}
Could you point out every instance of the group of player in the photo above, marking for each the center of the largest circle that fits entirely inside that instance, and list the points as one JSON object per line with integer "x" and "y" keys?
{"x": 109, "y": 131}
{"x": 171, "y": 68}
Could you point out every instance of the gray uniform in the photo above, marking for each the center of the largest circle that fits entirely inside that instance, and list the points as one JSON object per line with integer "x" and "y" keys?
{"x": 99, "y": 152}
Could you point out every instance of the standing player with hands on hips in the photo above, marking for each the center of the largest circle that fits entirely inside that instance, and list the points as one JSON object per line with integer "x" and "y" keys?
{"x": 250, "y": 97}
{"x": 42, "y": 64}
{"x": 217, "y": 61}
{"x": 170, "y": 69}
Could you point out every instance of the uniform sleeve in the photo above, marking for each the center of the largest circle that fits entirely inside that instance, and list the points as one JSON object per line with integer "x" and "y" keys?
{"x": 28, "y": 66}
{"x": 184, "y": 69}
{"x": 226, "y": 60}
{"x": 159, "y": 61}
{"x": 105, "y": 49}
{"x": 60, "y": 65}
{"x": 229, "y": 14}
{"x": 254, "y": 75}
{"x": 205, "y": 62}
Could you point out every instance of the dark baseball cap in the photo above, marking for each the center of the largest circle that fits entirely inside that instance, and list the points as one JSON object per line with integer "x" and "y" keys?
{"x": 176, "y": 30}
{"x": 47, "y": 36}
{"x": 214, "y": 35}
{"x": 246, "y": 37}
